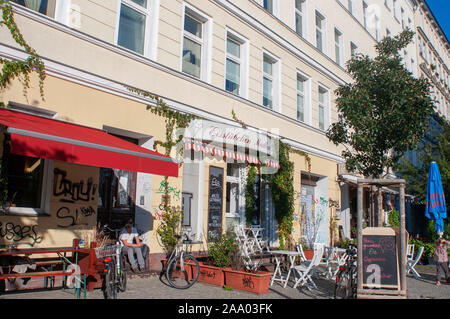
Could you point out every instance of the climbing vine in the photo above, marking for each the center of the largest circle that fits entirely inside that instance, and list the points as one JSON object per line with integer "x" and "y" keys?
{"x": 19, "y": 69}
{"x": 169, "y": 227}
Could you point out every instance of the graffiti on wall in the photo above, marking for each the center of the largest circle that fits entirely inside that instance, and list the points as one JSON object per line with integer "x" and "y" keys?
{"x": 73, "y": 192}
{"x": 17, "y": 233}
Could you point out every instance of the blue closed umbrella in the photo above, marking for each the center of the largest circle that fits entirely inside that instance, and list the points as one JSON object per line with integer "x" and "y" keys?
{"x": 435, "y": 207}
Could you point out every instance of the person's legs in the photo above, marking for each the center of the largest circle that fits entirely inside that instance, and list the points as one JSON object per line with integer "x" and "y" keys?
{"x": 138, "y": 252}
{"x": 130, "y": 253}
{"x": 438, "y": 272}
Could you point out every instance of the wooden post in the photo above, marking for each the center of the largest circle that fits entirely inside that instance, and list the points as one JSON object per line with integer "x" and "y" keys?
{"x": 359, "y": 236}
{"x": 402, "y": 239}
{"x": 380, "y": 208}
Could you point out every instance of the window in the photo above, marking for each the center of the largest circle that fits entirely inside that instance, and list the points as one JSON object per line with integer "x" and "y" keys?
{"x": 323, "y": 107}
{"x": 365, "y": 13}
{"x": 338, "y": 46}
{"x": 46, "y": 7}
{"x": 133, "y": 20}
{"x": 268, "y": 81}
{"x": 302, "y": 98}
{"x": 350, "y": 6}
{"x": 353, "y": 49}
{"x": 300, "y": 18}
{"x": 195, "y": 36}
{"x": 388, "y": 33}
{"x": 320, "y": 32}
{"x": 268, "y": 5}
{"x": 377, "y": 28}
{"x": 233, "y": 65}
{"x": 396, "y": 9}
{"x": 402, "y": 12}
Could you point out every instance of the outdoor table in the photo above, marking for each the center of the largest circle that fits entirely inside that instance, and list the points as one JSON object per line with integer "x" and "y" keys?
{"x": 278, "y": 254}
{"x": 254, "y": 233}
{"x": 61, "y": 252}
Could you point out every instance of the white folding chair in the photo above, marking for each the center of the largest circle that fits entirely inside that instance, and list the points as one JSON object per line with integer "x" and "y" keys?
{"x": 410, "y": 252}
{"x": 410, "y": 264}
{"x": 301, "y": 252}
{"x": 306, "y": 270}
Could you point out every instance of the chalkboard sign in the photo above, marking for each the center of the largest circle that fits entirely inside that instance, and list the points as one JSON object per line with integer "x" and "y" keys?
{"x": 380, "y": 262}
{"x": 215, "y": 200}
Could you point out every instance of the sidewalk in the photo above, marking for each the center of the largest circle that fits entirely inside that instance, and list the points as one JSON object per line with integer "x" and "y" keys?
{"x": 151, "y": 287}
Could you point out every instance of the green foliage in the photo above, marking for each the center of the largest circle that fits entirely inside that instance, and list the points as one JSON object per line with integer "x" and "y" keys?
{"x": 394, "y": 218}
{"x": 168, "y": 230}
{"x": 383, "y": 112}
{"x": 435, "y": 147}
{"x": 19, "y": 69}
{"x": 250, "y": 194}
{"x": 282, "y": 187}
{"x": 222, "y": 251}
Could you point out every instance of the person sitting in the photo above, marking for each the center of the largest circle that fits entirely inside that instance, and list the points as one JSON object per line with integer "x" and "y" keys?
{"x": 144, "y": 248}
{"x": 132, "y": 245}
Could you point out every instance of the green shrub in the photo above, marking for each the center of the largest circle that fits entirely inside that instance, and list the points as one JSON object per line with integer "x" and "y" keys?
{"x": 222, "y": 251}
{"x": 394, "y": 218}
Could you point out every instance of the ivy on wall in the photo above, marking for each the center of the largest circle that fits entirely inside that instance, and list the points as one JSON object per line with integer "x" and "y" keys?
{"x": 19, "y": 69}
{"x": 168, "y": 230}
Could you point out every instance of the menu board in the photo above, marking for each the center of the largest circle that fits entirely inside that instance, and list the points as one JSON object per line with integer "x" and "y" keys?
{"x": 380, "y": 263}
{"x": 215, "y": 202}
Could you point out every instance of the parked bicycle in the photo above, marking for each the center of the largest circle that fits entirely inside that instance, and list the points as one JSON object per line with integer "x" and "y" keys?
{"x": 346, "y": 285}
{"x": 182, "y": 269}
{"x": 115, "y": 276}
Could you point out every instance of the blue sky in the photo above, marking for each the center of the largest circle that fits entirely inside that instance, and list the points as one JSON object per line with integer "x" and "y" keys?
{"x": 441, "y": 10}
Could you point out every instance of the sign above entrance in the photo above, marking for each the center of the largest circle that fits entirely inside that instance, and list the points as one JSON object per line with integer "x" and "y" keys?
{"x": 233, "y": 143}
{"x": 218, "y": 134}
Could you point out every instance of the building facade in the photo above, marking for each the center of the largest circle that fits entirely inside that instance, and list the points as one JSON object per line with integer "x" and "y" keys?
{"x": 273, "y": 65}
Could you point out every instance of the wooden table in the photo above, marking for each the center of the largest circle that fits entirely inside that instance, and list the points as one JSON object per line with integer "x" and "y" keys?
{"x": 61, "y": 252}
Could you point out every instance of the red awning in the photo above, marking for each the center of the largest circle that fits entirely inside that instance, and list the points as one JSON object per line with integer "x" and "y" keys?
{"x": 42, "y": 137}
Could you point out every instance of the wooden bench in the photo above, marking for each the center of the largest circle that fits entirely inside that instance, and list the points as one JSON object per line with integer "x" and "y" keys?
{"x": 36, "y": 274}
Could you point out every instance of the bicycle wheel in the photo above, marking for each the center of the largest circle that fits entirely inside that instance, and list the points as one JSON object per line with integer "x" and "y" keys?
{"x": 343, "y": 287}
{"x": 122, "y": 275}
{"x": 110, "y": 291}
{"x": 182, "y": 277}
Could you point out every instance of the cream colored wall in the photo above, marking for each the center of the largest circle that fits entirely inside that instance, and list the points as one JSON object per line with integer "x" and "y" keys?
{"x": 69, "y": 216}
{"x": 321, "y": 167}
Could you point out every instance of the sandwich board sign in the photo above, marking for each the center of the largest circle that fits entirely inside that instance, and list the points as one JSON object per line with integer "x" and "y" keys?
{"x": 380, "y": 266}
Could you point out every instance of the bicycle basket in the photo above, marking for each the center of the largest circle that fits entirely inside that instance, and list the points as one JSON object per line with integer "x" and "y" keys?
{"x": 105, "y": 251}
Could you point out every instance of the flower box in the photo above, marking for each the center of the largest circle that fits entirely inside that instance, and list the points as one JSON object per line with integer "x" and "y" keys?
{"x": 211, "y": 275}
{"x": 248, "y": 281}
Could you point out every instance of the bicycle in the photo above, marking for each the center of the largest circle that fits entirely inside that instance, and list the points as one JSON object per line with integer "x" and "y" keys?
{"x": 115, "y": 277}
{"x": 182, "y": 269}
{"x": 346, "y": 285}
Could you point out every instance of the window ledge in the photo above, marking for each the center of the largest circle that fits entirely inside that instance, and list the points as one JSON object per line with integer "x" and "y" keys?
{"x": 23, "y": 211}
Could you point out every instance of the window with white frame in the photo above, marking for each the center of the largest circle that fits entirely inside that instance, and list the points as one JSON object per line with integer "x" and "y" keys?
{"x": 396, "y": 13}
{"x": 338, "y": 47}
{"x": 353, "y": 49}
{"x": 269, "y": 5}
{"x": 320, "y": 32}
{"x": 377, "y": 28}
{"x": 323, "y": 108}
{"x": 270, "y": 81}
{"x": 302, "y": 98}
{"x": 236, "y": 55}
{"x": 350, "y": 6}
{"x": 195, "y": 35}
{"x": 403, "y": 18}
{"x": 365, "y": 14}
{"x": 134, "y": 21}
{"x": 300, "y": 17}
{"x": 47, "y": 7}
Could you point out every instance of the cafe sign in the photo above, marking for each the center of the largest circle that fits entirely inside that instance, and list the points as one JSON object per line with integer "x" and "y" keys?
{"x": 219, "y": 134}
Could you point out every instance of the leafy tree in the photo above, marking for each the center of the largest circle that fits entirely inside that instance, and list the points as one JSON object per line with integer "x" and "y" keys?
{"x": 434, "y": 147}
{"x": 383, "y": 112}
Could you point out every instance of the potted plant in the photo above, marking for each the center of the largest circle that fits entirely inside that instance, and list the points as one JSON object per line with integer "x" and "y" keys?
{"x": 224, "y": 255}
